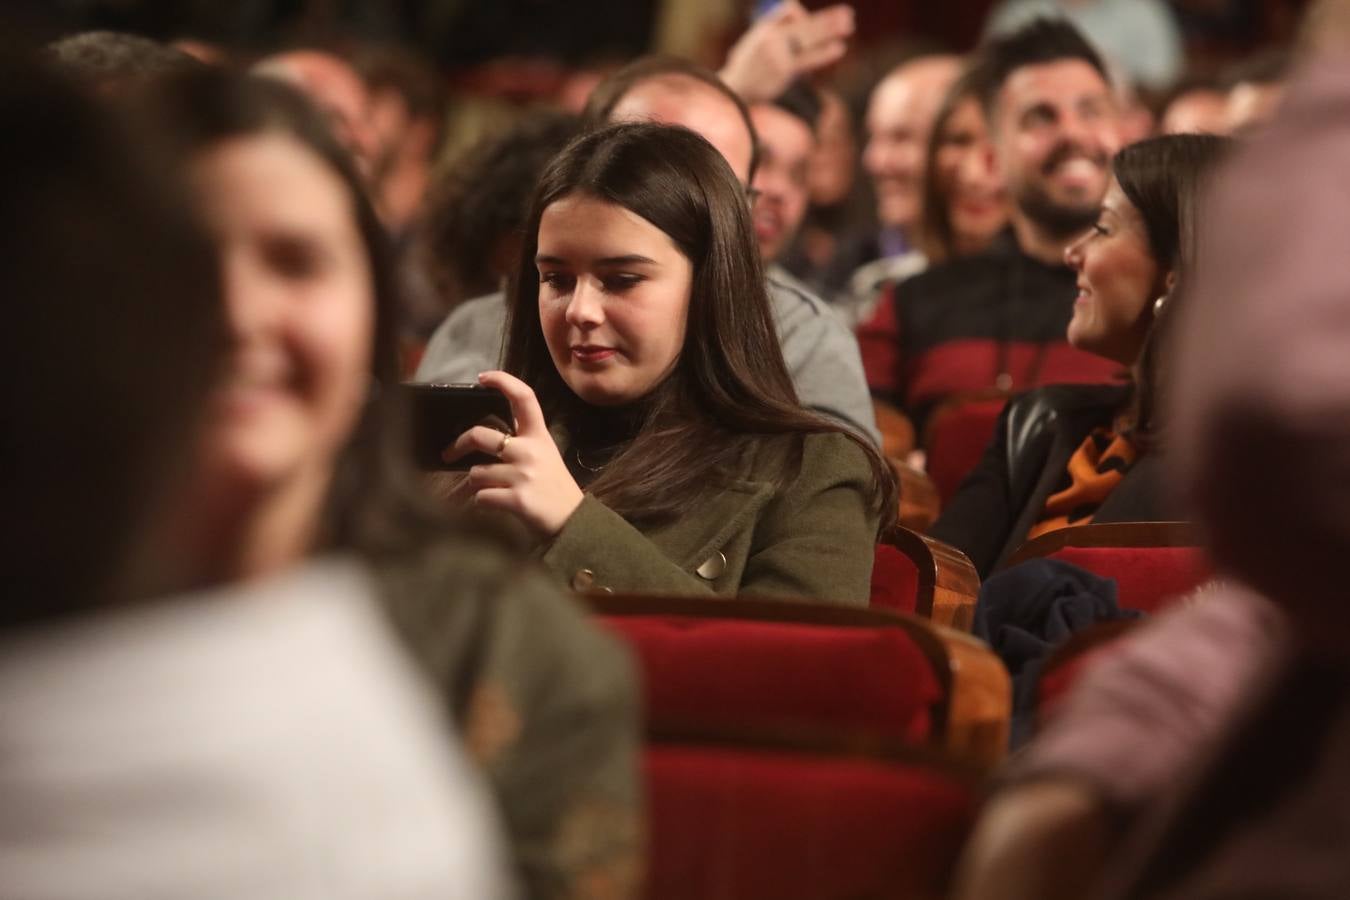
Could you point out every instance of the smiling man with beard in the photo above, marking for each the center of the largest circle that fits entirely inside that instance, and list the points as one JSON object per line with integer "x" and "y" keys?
{"x": 997, "y": 320}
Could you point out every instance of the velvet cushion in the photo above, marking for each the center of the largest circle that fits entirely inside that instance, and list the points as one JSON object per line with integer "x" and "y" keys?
{"x": 957, "y": 440}
{"x": 1147, "y": 577}
{"x": 743, "y": 677}
{"x": 742, "y": 824}
{"x": 895, "y": 581}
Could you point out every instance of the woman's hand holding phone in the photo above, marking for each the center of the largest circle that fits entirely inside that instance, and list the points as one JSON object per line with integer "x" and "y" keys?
{"x": 530, "y": 479}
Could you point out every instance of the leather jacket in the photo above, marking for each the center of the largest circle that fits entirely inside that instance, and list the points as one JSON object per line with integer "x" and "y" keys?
{"x": 1036, "y": 435}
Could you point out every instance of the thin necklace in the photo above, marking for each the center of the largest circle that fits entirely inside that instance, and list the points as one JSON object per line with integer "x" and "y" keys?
{"x": 594, "y": 470}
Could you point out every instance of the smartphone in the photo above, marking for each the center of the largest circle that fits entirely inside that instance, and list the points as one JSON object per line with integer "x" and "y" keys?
{"x": 442, "y": 412}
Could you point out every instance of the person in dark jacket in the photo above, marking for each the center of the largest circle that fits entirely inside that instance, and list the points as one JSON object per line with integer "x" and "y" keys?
{"x": 1071, "y": 454}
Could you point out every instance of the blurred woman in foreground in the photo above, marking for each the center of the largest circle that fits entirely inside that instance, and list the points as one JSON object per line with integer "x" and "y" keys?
{"x": 304, "y": 454}
{"x": 266, "y": 739}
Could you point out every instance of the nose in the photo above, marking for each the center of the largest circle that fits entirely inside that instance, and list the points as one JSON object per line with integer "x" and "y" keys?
{"x": 1073, "y": 254}
{"x": 250, "y": 305}
{"x": 586, "y": 308}
{"x": 977, "y": 170}
{"x": 874, "y": 157}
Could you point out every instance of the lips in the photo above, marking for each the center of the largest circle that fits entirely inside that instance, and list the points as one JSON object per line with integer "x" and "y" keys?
{"x": 591, "y": 353}
{"x": 766, "y": 219}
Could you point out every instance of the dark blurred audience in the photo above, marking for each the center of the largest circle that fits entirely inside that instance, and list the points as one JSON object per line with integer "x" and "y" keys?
{"x": 406, "y": 111}
{"x": 474, "y": 216}
{"x": 110, "y": 61}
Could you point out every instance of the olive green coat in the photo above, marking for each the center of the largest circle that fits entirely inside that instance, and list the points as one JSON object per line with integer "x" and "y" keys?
{"x": 813, "y": 538}
{"x": 546, "y": 703}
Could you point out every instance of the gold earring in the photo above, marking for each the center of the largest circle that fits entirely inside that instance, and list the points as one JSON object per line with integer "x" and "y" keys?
{"x": 1159, "y": 304}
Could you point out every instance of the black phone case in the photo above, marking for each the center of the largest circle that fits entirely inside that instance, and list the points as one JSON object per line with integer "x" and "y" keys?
{"x": 443, "y": 412}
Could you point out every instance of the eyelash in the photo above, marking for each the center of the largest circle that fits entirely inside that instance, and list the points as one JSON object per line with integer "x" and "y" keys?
{"x": 614, "y": 284}
{"x": 1099, "y": 229}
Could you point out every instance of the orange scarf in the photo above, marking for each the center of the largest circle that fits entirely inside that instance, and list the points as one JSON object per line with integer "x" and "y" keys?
{"x": 1095, "y": 469}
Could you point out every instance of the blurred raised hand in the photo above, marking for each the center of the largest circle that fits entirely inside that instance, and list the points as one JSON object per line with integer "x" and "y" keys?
{"x": 784, "y": 45}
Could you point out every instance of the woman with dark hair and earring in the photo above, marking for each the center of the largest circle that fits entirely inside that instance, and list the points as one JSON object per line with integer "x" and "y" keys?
{"x": 659, "y": 444}
{"x": 1070, "y": 454}
{"x": 303, "y": 454}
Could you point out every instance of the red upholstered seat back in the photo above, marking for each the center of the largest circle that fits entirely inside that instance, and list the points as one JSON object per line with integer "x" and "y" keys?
{"x": 747, "y": 825}
{"x": 735, "y": 676}
{"x": 895, "y": 581}
{"x": 957, "y": 438}
{"x": 1148, "y": 577}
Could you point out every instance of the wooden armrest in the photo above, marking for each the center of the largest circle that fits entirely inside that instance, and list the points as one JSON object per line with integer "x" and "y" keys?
{"x": 948, "y": 582}
{"x": 980, "y": 711}
{"x": 1108, "y": 534}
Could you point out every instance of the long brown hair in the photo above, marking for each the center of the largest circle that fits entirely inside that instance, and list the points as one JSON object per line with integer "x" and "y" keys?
{"x": 1163, "y": 178}
{"x": 730, "y": 389}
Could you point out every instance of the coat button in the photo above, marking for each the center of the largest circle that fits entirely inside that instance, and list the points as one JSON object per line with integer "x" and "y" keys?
{"x": 713, "y": 566}
{"x": 583, "y": 580}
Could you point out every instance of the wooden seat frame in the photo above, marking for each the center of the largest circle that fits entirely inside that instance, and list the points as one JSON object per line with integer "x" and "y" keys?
{"x": 948, "y": 582}
{"x": 1108, "y": 534}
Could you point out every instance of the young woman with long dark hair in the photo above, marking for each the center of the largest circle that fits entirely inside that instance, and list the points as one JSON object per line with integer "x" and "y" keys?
{"x": 660, "y": 446}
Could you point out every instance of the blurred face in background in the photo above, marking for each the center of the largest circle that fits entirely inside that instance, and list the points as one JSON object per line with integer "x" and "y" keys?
{"x": 681, "y": 100}
{"x": 1055, "y": 129}
{"x": 786, "y": 145}
{"x": 1201, "y": 111}
{"x": 832, "y": 165}
{"x": 336, "y": 89}
{"x": 968, "y": 178}
{"x": 1251, "y": 105}
{"x": 900, "y": 116}
{"x": 300, "y": 308}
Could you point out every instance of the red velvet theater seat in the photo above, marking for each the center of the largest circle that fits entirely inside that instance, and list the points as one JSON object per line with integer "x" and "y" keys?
{"x": 1152, "y": 562}
{"x": 915, "y": 574}
{"x": 800, "y": 750}
{"x": 737, "y": 676}
{"x": 752, "y": 823}
{"x": 955, "y": 439}
{"x": 777, "y": 670}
